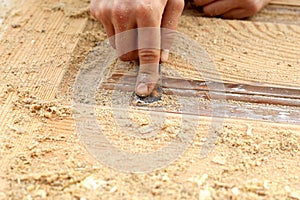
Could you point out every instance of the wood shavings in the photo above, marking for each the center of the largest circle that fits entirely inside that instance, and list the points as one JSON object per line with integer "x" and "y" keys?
{"x": 221, "y": 160}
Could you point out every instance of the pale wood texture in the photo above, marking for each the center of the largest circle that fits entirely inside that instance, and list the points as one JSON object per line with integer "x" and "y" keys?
{"x": 260, "y": 53}
{"x": 286, "y": 2}
{"x": 35, "y": 57}
{"x": 252, "y": 57}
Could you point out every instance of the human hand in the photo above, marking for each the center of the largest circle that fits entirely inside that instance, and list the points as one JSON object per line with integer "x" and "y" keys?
{"x": 127, "y": 24}
{"x": 234, "y": 9}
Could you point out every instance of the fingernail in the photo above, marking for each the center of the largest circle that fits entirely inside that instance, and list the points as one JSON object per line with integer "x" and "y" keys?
{"x": 164, "y": 55}
{"x": 142, "y": 90}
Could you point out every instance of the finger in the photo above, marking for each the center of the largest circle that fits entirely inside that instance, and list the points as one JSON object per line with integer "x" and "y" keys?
{"x": 126, "y": 44}
{"x": 94, "y": 9}
{"x": 125, "y": 33}
{"x": 236, "y": 14}
{"x": 247, "y": 9}
{"x": 219, "y": 7}
{"x": 149, "y": 44}
{"x": 169, "y": 25}
{"x": 149, "y": 57}
{"x": 203, "y": 2}
{"x": 103, "y": 15}
{"x": 110, "y": 31}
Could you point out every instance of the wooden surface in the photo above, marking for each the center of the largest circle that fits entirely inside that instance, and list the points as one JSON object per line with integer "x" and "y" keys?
{"x": 21, "y": 53}
{"x": 258, "y": 95}
{"x": 286, "y": 2}
{"x": 258, "y": 61}
{"x": 36, "y": 64}
{"x": 33, "y": 59}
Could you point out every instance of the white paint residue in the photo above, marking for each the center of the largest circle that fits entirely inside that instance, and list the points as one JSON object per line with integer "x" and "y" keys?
{"x": 239, "y": 89}
{"x": 283, "y": 115}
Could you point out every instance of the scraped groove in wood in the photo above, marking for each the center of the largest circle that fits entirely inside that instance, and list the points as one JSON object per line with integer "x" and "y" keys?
{"x": 286, "y": 2}
{"x": 184, "y": 84}
{"x": 246, "y": 111}
{"x": 231, "y": 111}
{"x": 237, "y": 92}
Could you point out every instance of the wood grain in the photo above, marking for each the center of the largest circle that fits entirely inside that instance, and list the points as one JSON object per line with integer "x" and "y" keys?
{"x": 286, "y": 2}
{"x": 236, "y": 92}
{"x": 33, "y": 57}
{"x": 35, "y": 54}
{"x": 246, "y": 52}
{"x": 33, "y": 62}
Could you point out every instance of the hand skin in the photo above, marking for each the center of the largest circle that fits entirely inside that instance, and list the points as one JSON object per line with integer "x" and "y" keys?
{"x": 231, "y": 9}
{"x": 120, "y": 16}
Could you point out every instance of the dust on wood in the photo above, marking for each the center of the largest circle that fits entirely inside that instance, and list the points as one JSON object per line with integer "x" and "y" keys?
{"x": 41, "y": 157}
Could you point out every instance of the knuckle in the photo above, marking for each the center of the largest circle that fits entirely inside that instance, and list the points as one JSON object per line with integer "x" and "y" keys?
{"x": 99, "y": 12}
{"x": 178, "y": 5}
{"x": 149, "y": 55}
{"x": 145, "y": 9}
{"x": 94, "y": 11}
{"x": 253, "y": 7}
{"x": 119, "y": 10}
{"x": 92, "y": 8}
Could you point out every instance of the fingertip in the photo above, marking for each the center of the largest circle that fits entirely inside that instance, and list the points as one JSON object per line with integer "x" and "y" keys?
{"x": 142, "y": 90}
{"x": 147, "y": 79}
{"x": 164, "y": 55}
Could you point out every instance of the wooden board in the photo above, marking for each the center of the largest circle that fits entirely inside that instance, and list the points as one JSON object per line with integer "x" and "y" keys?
{"x": 35, "y": 53}
{"x": 286, "y": 2}
{"x": 260, "y": 99}
{"x": 253, "y": 58}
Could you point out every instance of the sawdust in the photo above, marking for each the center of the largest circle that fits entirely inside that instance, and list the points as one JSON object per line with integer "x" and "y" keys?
{"x": 141, "y": 134}
{"x": 235, "y": 45}
{"x": 252, "y": 160}
{"x": 88, "y": 39}
{"x": 279, "y": 14}
{"x": 168, "y": 103}
{"x": 74, "y": 9}
{"x": 45, "y": 109}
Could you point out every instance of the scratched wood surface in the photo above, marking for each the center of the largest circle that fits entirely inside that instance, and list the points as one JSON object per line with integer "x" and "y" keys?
{"x": 33, "y": 58}
{"x": 250, "y": 53}
{"x": 257, "y": 60}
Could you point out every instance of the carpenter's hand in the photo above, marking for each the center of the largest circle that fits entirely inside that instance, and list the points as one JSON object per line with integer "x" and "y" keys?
{"x": 121, "y": 17}
{"x": 235, "y": 9}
